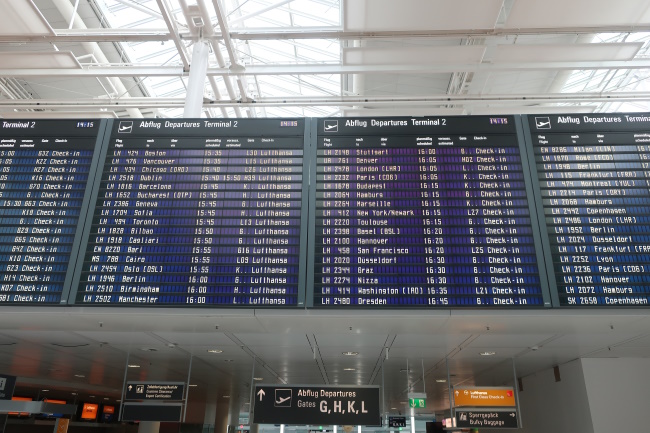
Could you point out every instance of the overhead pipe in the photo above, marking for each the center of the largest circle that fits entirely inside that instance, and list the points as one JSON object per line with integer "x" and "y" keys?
{"x": 67, "y": 10}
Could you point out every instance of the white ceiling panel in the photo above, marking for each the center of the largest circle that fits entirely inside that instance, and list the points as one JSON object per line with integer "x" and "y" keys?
{"x": 566, "y": 53}
{"x": 519, "y": 82}
{"x": 577, "y": 13}
{"x": 22, "y": 18}
{"x": 58, "y": 114}
{"x": 405, "y": 84}
{"x": 594, "y": 341}
{"x": 413, "y": 55}
{"x": 428, "y": 340}
{"x": 488, "y": 341}
{"x": 387, "y": 15}
{"x": 541, "y": 109}
{"x": 403, "y": 111}
{"x": 36, "y": 60}
{"x": 350, "y": 340}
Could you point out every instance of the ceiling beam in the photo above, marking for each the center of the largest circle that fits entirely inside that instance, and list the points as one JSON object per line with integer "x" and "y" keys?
{"x": 325, "y": 32}
{"x": 298, "y": 101}
{"x": 325, "y": 69}
{"x": 94, "y": 35}
{"x": 173, "y": 30}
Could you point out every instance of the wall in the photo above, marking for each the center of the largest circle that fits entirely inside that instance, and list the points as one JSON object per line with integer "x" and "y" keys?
{"x": 558, "y": 407}
{"x": 618, "y": 393}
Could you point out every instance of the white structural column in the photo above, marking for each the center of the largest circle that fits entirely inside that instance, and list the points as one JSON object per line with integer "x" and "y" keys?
{"x": 196, "y": 83}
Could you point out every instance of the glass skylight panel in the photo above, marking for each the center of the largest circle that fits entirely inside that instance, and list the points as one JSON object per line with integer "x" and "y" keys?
{"x": 602, "y": 80}
{"x": 297, "y": 13}
{"x": 242, "y": 16}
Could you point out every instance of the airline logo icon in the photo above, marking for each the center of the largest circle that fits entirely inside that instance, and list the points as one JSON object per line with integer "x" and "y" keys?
{"x": 331, "y": 125}
{"x": 543, "y": 122}
{"x": 125, "y": 127}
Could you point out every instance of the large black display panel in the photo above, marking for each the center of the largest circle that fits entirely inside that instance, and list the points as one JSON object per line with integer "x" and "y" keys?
{"x": 422, "y": 212}
{"x": 44, "y": 171}
{"x": 198, "y": 212}
{"x": 594, "y": 178}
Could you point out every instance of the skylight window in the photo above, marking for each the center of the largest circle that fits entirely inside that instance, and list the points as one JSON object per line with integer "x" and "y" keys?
{"x": 244, "y": 17}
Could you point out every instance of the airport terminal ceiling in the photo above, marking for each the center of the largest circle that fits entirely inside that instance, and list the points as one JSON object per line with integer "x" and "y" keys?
{"x": 320, "y": 58}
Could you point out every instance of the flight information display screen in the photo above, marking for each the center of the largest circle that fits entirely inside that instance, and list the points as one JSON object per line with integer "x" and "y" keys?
{"x": 198, "y": 212}
{"x": 594, "y": 177}
{"x": 44, "y": 170}
{"x": 422, "y": 212}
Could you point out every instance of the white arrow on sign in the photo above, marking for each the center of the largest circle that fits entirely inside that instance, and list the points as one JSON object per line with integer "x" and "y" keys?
{"x": 261, "y": 393}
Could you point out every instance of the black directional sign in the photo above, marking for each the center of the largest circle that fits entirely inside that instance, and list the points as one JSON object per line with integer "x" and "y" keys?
{"x": 329, "y": 405}
{"x": 167, "y": 412}
{"x": 486, "y": 419}
{"x": 169, "y": 391}
{"x": 396, "y": 421}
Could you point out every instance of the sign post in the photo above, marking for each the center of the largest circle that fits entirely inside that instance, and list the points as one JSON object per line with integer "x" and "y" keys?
{"x": 320, "y": 405}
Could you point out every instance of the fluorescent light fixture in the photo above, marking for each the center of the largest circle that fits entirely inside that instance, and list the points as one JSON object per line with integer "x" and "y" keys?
{"x": 79, "y": 375}
{"x": 350, "y": 353}
{"x": 441, "y": 380}
{"x": 349, "y": 369}
{"x": 487, "y": 353}
{"x": 215, "y": 351}
{"x": 134, "y": 366}
{"x": 258, "y": 378}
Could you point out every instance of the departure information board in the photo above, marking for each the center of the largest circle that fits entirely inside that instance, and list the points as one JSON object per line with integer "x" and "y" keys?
{"x": 594, "y": 177}
{"x": 422, "y": 212}
{"x": 198, "y": 212}
{"x": 44, "y": 169}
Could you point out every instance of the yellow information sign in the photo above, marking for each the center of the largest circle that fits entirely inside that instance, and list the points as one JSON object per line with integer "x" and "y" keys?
{"x": 484, "y": 397}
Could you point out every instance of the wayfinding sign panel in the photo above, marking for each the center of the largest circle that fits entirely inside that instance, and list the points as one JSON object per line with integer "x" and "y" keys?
{"x": 487, "y": 396}
{"x": 486, "y": 419}
{"x": 169, "y": 391}
{"x": 329, "y": 405}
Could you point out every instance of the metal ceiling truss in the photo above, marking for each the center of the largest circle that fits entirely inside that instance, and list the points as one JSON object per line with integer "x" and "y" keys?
{"x": 368, "y": 101}
{"x": 324, "y": 69}
{"x": 325, "y": 32}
